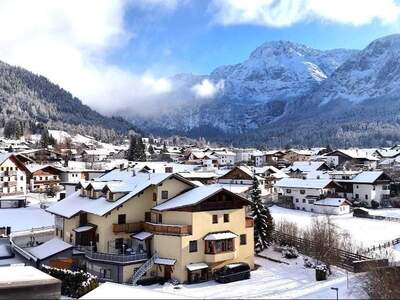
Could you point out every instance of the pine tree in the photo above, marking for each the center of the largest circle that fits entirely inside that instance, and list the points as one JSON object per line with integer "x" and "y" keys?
{"x": 151, "y": 150}
{"x": 263, "y": 222}
{"x": 136, "y": 151}
{"x": 47, "y": 139}
{"x": 164, "y": 149}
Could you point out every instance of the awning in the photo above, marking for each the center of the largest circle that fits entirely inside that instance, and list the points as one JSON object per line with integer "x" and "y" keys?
{"x": 165, "y": 261}
{"x": 197, "y": 266}
{"x": 220, "y": 236}
{"x": 141, "y": 236}
{"x": 84, "y": 228}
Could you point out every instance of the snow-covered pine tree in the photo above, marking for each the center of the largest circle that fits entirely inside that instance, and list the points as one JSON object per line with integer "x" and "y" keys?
{"x": 263, "y": 222}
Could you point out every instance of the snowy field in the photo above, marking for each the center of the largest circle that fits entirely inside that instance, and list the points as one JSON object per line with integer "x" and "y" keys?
{"x": 386, "y": 212}
{"x": 270, "y": 281}
{"x": 28, "y": 217}
{"x": 365, "y": 232}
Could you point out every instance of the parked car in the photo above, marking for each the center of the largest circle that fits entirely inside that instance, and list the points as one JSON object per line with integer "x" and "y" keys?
{"x": 233, "y": 272}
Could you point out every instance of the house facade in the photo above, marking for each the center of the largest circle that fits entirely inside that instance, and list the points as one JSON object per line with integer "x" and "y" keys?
{"x": 132, "y": 226}
{"x": 12, "y": 182}
{"x": 306, "y": 194}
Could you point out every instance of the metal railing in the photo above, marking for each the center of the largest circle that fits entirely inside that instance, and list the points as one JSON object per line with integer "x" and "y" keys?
{"x": 124, "y": 258}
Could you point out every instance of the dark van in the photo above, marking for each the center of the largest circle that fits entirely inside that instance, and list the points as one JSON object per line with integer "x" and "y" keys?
{"x": 233, "y": 272}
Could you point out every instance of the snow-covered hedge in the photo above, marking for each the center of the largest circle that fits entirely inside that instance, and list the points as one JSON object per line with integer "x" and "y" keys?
{"x": 290, "y": 252}
{"x": 74, "y": 284}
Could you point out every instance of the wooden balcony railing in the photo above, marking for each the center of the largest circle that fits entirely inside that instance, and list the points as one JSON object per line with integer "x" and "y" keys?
{"x": 128, "y": 227}
{"x": 168, "y": 229}
{"x": 249, "y": 222}
{"x": 153, "y": 227}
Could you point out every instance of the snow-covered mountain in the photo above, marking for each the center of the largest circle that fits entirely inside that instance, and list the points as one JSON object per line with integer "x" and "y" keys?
{"x": 373, "y": 72}
{"x": 278, "y": 71}
{"x": 254, "y": 92}
{"x": 287, "y": 93}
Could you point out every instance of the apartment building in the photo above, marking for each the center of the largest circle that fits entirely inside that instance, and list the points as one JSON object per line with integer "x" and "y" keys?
{"x": 43, "y": 177}
{"x": 130, "y": 226}
{"x": 12, "y": 181}
{"x": 313, "y": 195}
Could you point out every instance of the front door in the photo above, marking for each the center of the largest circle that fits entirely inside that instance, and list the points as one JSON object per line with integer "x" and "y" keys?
{"x": 167, "y": 272}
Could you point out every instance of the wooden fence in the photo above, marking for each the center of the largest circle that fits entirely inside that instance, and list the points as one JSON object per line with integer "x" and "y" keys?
{"x": 342, "y": 258}
{"x": 384, "y": 245}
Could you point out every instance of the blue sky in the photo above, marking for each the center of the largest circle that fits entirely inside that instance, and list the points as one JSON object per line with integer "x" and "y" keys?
{"x": 117, "y": 55}
{"x": 186, "y": 39}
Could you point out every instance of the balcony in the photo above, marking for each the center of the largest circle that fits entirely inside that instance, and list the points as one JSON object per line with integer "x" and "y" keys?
{"x": 153, "y": 227}
{"x": 168, "y": 229}
{"x": 128, "y": 227}
{"x": 109, "y": 257}
{"x": 249, "y": 222}
{"x": 218, "y": 257}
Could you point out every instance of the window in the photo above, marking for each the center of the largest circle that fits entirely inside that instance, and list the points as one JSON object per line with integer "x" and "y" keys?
{"x": 215, "y": 219}
{"x": 366, "y": 197}
{"x": 243, "y": 239}
{"x": 122, "y": 219}
{"x": 373, "y": 188}
{"x": 192, "y": 246}
{"x": 357, "y": 196}
{"x": 164, "y": 195}
{"x": 302, "y": 192}
{"x": 288, "y": 191}
{"x": 214, "y": 247}
{"x": 83, "y": 219}
{"x": 159, "y": 218}
{"x": 304, "y": 200}
{"x": 310, "y": 201}
{"x": 154, "y": 196}
{"x": 147, "y": 216}
{"x": 226, "y": 218}
{"x": 118, "y": 243}
{"x": 106, "y": 273}
{"x": 297, "y": 200}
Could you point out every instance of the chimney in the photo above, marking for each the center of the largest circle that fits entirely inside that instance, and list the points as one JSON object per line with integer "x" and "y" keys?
{"x": 121, "y": 167}
{"x": 133, "y": 173}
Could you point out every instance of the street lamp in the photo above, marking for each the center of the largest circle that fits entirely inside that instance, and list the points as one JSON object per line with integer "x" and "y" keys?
{"x": 337, "y": 292}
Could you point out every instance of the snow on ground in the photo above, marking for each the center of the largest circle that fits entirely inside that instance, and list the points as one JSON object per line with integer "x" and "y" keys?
{"x": 25, "y": 218}
{"x": 365, "y": 232}
{"x": 386, "y": 212}
{"x": 270, "y": 281}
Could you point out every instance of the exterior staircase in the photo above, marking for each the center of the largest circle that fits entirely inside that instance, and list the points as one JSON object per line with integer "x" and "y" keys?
{"x": 144, "y": 268}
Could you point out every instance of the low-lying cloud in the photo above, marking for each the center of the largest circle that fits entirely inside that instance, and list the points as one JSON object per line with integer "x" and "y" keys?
{"x": 207, "y": 89}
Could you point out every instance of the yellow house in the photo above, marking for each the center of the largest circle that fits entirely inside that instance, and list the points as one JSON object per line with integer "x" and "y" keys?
{"x": 129, "y": 226}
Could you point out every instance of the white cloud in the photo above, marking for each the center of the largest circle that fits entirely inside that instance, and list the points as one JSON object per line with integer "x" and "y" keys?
{"x": 68, "y": 41}
{"x": 207, "y": 89}
{"x": 280, "y": 13}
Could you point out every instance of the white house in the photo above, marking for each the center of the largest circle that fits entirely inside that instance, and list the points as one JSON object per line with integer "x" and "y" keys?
{"x": 225, "y": 157}
{"x": 366, "y": 187}
{"x": 332, "y": 206}
{"x": 302, "y": 194}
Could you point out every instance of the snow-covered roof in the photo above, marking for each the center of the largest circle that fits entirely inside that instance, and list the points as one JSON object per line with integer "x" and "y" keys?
{"x": 331, "y": 202}
{"x": 13, "y": 275}
{"x": 367, "y": 177}
{"x": 356, "y": 153}
{"x": 4, "y": 157}
{"x": 235, "y": 188}
{"x": 306, "y": 166}
{"x": 142, "y": 235}
{"x": 220, "y": 236}
{"x": 84, "y": 228}
{"x": 189, "y": 198}
{"x": 197, "y": 266}
{"x": 49, "y": 248}
{"x": 165, "y": 261}
{"x": 110, "y": 290}
{"x": 303, "y": 183}
{"x": 75, "y": 203}
{"x": 201, "y": 175}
